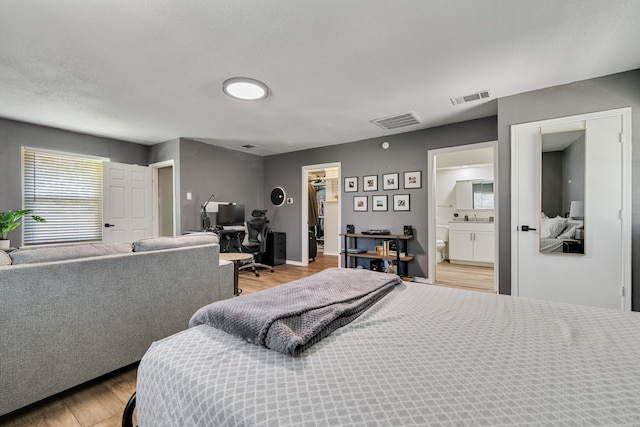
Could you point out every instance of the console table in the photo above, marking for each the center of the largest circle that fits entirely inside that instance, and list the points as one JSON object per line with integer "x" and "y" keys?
{"x": 351, "y": 241}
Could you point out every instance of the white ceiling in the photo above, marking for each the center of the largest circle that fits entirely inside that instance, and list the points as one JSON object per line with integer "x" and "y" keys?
{"x": 148, "y": 71}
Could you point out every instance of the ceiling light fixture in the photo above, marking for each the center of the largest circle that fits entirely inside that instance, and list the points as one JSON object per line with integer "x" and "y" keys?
{"x": 245, "y": 88}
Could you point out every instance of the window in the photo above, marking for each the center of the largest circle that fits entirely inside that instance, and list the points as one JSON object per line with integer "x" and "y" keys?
{"x": 67, "y": 192}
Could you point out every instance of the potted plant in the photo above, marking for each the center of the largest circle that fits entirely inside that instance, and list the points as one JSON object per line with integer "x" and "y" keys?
{"x": 10, "y": 220}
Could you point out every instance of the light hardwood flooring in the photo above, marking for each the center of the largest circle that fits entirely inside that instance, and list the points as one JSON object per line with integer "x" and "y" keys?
{"x": 465, "y": 277}
{"x": 100, "y": 403}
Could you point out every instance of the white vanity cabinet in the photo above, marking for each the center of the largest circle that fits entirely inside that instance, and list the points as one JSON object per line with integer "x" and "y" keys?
{"x": 471, "y": 243}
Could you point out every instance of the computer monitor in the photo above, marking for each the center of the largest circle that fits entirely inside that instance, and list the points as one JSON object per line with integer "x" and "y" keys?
{"x": 230, "y": 215}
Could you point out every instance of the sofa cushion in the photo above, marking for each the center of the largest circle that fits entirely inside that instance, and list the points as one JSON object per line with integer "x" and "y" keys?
{"x": 5, "y": 259}
{"x": 64, "y": 252}
{"x": 156, "y": 243}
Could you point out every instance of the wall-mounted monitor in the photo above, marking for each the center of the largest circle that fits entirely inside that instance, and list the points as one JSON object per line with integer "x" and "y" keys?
{"x": 230, "y": 215}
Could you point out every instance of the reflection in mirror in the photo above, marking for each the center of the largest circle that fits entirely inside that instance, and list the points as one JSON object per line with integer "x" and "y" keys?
{"x": 482, "y": 194}
{"x": 562, "y": 193}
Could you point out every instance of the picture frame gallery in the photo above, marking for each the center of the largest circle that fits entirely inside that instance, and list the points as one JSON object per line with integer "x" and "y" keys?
{"x": 380, "y": 202}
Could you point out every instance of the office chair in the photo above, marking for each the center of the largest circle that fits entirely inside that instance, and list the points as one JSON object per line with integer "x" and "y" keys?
{"x": 256, "y": 240}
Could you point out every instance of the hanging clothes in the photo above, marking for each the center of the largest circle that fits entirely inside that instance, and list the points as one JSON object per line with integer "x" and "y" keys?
{"x": 313, "y": 207}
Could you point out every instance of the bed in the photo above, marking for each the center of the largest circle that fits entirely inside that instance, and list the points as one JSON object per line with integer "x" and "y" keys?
{"x": 422, "y": 355}
{"x": 554, "y": 232}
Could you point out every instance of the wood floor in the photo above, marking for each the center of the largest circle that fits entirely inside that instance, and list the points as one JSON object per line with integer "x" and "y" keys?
{"x": 100, "y": 403}
{"x": 465, "y": 277}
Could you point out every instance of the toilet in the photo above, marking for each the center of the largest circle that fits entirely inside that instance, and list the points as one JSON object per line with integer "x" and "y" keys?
{"x": 442, "y": 237}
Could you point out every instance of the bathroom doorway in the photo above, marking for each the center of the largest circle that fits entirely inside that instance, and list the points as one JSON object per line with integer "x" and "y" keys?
{"x": 462, "y": 220}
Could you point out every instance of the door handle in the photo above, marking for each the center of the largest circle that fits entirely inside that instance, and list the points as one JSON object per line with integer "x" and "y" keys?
{"x": 107, "y": 225}
{"x": 526, "y": 228}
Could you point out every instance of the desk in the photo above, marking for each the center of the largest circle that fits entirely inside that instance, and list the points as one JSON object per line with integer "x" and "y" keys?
{"x": 236, "y": 258}
{"x": 226, "y": 237}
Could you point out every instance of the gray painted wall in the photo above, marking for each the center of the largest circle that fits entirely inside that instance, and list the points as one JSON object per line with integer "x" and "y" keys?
{"x": 573, "y": 170}
{"x": 408, "y": 152}
{"x": 237, "y": 176}
{"x": 551, "y": 197}
{"x": 604, "y": 93}
{"x": 14, "y": 135}
{"x": 232, "y": 176}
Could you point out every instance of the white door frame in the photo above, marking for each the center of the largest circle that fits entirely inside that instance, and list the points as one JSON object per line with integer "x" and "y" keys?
{"x": 431, "y": 203}
{"x": 625, "y": 214}
{"x": 154, "y": 168}
{"x": 304, "y": 205}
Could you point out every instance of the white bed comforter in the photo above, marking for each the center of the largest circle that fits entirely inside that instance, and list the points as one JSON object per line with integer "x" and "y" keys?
{"x": 421, "y": 356}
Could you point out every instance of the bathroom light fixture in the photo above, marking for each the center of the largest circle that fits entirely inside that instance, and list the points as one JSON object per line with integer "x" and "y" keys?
{"x": 245, "y": 88}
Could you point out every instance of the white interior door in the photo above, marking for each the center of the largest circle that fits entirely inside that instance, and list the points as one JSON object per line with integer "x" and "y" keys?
{"x": 600, "y": 277}
{"x": 127, "y": 202}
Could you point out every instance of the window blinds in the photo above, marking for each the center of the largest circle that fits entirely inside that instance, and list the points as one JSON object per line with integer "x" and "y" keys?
{"x": 67, "y": 192}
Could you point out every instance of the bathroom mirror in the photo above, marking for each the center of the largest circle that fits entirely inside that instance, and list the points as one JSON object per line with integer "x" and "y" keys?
{"x": 562, "y": 190}
{"x": 482, "y": 190}
{"x": 474, "y": 194}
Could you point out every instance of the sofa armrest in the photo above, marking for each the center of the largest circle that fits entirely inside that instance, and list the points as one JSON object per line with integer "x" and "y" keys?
{"x": 225, "y": 289}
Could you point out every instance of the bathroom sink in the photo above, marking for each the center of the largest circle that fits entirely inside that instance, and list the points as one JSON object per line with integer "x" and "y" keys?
{"x": 482, "y": 220}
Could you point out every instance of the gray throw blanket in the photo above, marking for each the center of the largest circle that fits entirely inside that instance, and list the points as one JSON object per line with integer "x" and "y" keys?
{"x": 292, "y": 317}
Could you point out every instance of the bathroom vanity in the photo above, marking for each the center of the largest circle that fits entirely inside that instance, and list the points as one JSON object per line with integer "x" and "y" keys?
{"x": 472, "y": 242}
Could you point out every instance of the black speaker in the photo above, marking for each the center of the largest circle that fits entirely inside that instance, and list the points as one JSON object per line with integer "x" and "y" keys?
{"x": 408, "y": 230}
{"x": 350, "y": 229}
{"x": 376, "y": 265}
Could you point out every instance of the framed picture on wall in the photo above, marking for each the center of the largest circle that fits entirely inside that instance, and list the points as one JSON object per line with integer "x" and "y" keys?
{"x": 370, "y": 182}
{"x": 401, "y": 202}
{"x": 413, "y": 179}
{"x": 351, "y": 184}
{"x": 379, "y": 203}
{"x": 390, "y": 181}
{"x": 360, "y": 203}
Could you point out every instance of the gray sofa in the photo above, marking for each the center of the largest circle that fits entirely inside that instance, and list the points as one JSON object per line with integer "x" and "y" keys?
{"x": 69, "y": 314}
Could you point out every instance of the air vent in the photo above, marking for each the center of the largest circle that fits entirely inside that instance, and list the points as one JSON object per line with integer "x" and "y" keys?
{"x": 248, "y": 146}
{"x": 484, "y": 94}
{"x": 397, "y": 121}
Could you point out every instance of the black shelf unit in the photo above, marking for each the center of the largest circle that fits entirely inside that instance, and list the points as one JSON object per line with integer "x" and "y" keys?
{"x": 351, "y": 241}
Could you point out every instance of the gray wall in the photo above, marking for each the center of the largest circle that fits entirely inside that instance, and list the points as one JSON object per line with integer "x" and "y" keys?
{"x": 236, "y": 176}
{"x": 573, "y": 173}
{"x": 14, "y": 135}
{"x": 232, "y": 176}
{"x": 551, "y": 197}
{"x": 408, "y": 152}
{"x": 604, "y": 93}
